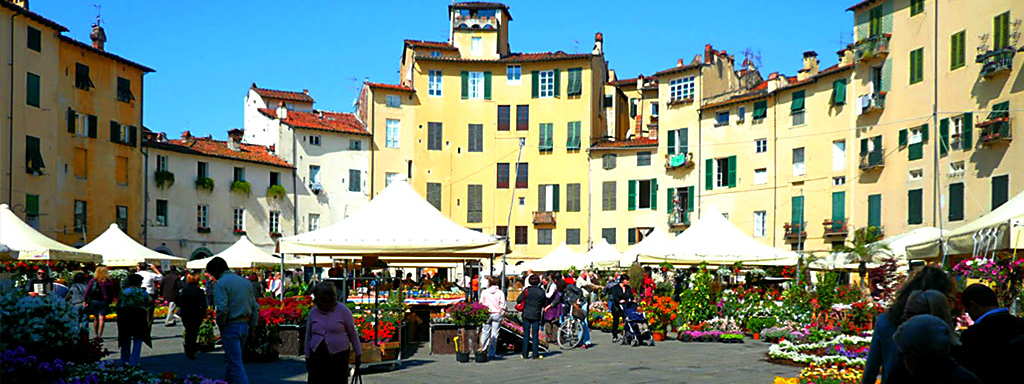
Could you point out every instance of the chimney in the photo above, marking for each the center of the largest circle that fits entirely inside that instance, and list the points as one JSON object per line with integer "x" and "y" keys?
{"x": 708, "y": 53}
{"x": 21, "y": 3}
{"x": 810, "y": 67}
{"x": 696, "y": 60}
{"x": 598, "y": 44}
{"x": 845, "y": 56}
{"x": 305, "y": 92}
{"x": 611, "y": 75}
{"x": 679, "y": 62}
{"x": 282, "y": 112}
{"x": 639, "y": 82}
{"x": 98, "y": 36}
{"x": 235, "y": 139}
{"x": 186, "y": 136}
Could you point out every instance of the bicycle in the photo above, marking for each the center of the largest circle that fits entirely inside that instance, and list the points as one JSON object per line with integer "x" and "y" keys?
{"x": 570, "y": 332}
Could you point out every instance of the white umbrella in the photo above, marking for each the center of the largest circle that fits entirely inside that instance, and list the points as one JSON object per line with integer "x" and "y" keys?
{"x": 120, "y": 250}
{"x": 243, "y": 254}
{"x": 30, "y": 244}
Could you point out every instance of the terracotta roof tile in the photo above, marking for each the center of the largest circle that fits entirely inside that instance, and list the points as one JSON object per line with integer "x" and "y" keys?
{"x": 393, "y": 87}
{"x": 676, "y": 69}
{"x": 34, "y": 16}
{"x": 321, "y": 120}
{"x": 430, "y": 44}
{"x": 515, "y": 57}
{"x": 203, "y": 146}
{"x": 283, "y": 95}
{"x": 755, "y": 94}
{"x": 861, "y": 4}
{"x": 793, "y": 82}
{"x": 100, "y": 52}
{"x": 629, "y": 81}
{"x": 642, "y": 142}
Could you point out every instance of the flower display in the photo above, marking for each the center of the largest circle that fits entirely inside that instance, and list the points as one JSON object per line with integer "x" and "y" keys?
{"x": 843, "y": 349}
{"x": 383, "y": 332}
{"x": 835, "y": 374}
{"x": 468, "y": 314}
{"x": 291, "y": 310}
{"x": 660, "y": 312}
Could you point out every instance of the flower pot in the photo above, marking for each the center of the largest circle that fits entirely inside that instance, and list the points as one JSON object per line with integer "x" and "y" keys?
{"x": 757, "y": 336}
{"x": 481, "y": 357}
{"x": 658, "y": 335}
{"x": 462, "y": 357}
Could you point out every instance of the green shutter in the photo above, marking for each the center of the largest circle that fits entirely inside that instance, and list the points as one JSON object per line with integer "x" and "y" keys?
{"x": 797, "y": 210}
{"x": 1001, "y": 31}
{"x": 71, "y": 116}
{"x": 924, "y": 133}
{"x": 914, "y": 206}
{"x": 684, "y": 140}
{"x": 654, "y": 194}
{"x": 545, "y": 137}
{"x": 465, "y": 84}
{"x": 32, "y": 205}
{"x": 956, "y": 50}
{"x": 558, "y": 81}
{"x": 535, "y": 79}
{"x": 709, "y": 175}
{"x": 798, "y": 101}
{"x": 670, "y": 202}
{"x": 943, "y": 137}
{"x": 32, "y": 89}
{"x": 864, "y": 146}
{"x": 691, "y": 197}
{"x": 575, "y": 87}
{"x": 632, "y": 195}
{"x": 903, "y": 138}
{"x": 838, "y": 207}
{"x": 876, "y": 21}
{"x": 631, "y": 235}
{"x": 671, "y": 142}
{"x": 875, "y": 211}
{"x": 839, "y": 92}
{"x": 557, "y": 199}
{"x": 967, "y": 141}
{"x": 573, "y": 140}
{"x": 732, "y": 171}
{"x": 541, "y": 198}
{"x": 887, "y": 75}
{"x": 916, "y": 65}
{"x": 956, "y": 201}
{"x": 760, "y": 109}
{"x": 487, "y": 85}
{"x": 915, "y": 151}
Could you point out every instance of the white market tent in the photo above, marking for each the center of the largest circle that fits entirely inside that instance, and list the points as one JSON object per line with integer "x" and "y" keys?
{"x": 716, "y": 241}
{"x": 602, "y": 255}
{"x": 559, "y": 259}
{"x": 120, "y": 250}
{"x": 654, "y": 248}
{"x": 1001, "y": 229}
{"x": 397, "y": 225}
{"x": 26, "y": 243}
{"x": 243, "y": 254}
{"x": 897, "y": 248}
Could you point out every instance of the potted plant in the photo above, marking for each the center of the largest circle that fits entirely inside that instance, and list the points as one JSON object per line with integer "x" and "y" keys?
{"x": 241, "y": 186}
{"x": 468, "y": 317}
{"x": 661, "y": 312}
{"x": 164, "y": 178}
{"x": 276, "y": 191}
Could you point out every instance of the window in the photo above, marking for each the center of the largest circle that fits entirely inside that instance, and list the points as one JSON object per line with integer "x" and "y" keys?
{"x": 608, "y": 161}
{"x": 522, "y": 117}
{"x": 796, "y": 215}
{"x": 643, "y": 194}
{"x": 741, "y": 114}
{"x": 355, "y": 145}
{"x": 681, "y": 88}
{"x": 476, "y": 138}
{"x": 91, "y": 124}
{"x": 654, "y": 109}
{"x": 522, "y": 175}
{"x": 573, "y": 136}
{"x": 124, "y": 90}
{"x": 643, "y": 159}
{"x": 608, "y": 234}
{"x": 608, "y": 196}
{"x": 504, "y": 118}
{"x": 275, "y": 222}
{"x": 915, "y": 142}
{"x": 838, "y": 92}
{"x": 354, "y": 180}
{"x": 916, "y": 65}
{"x": 239, "y": 174}
{"x": 314, "y": 221}
{"x": 760, "y": 223}
{"x": 121, "y": 170}
{"x": 476, "y": 85}
{"x": 202, "y": 170}
{"x": 391, "y": 132}
{"x": 1000, "y": 190}
{"x": 575, "y": 86}
{"x": 521, "y": 232}
{"x": 760, "y": 145}
{"x": 314, "y": 176}
{"x": 81, "y": 215}
{"x": 34, "y": 156}
{"x": 513, "y": 73}
{"x": 1001, "y": 31}
{"x": 547, "y": 83}
{"x": 314, "y": 140}
{"x": 122, "y": 134}
{"x": 475, "y": 45}
{"x": 799, "y": 168}
{"x": 501, "y": 231}
{"x": 502, "y": 176}
{"x": 609, "y": 101}
{"x": 797, "y": 108}
{"x": 82, "y": 80}
{"x": 956, "y": 201}
{"x": 546, "y": 137}
{"x": 720, "y": 172}
{"x": 34, "y": 39}
{"x": 875, "y": 210}
{"x": 80, "y": 163}
{"x": 544, "y": 236}
{"x": 957, "y": 130}
{"x": 475, "y": 203}
{"x": 915, "y": 174}
{"x": 914, "y": 206}
{"x": 202, "y": 216}
{"x": 799, "y": 118}
{"x": 435, "y": 132}
{"x": 390, "y": 177}
{"x": 32, "y": 210}
{"x": 161, "y": 213}
{"x": 678, "y": 141}
{"x": 916, "y": 7}
{"x": 760, "y": 110}
{"x": 434, "y": 195}
{"x": 32, "y": 89}
{"x": 838, "y": 155}
{"x": 572, "y": 236}
{"x": 121, "y": 217}
{"x": 434, "y": 83}
{"x": 839, "y": 181}
{"x": 875, "y": 21}
{"x": 761, "y": 176}
{"x": 633, "y": 106}
{"x": 238, "y": 221}
{"x": 956, "y": 168}
{"x": 957, "y": 50}
{"x": 547, "y": 198}
{"x": 721, "y": 118}
{"x": 572, "y": 198}
{"x": 393, "y": 101}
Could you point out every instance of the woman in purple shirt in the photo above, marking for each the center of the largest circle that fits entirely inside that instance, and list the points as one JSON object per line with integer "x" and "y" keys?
{"x": 330, "y": 336}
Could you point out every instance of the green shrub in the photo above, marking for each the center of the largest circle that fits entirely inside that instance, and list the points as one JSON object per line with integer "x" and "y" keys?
{"x": 276, "y": 192}
{"x": 241, "y": 186}
{"x": 164, "y": 179}
{"x": 205, "y": 183}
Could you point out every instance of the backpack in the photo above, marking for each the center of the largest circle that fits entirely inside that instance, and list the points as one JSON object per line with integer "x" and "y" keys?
{"x": 573, "y": 294}
{"x": 95, "y": 291}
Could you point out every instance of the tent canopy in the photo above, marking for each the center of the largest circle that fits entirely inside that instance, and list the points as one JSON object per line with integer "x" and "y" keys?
{"x": 602, "y": 255}
{"x": 243, "y": 254}
{"x": 657, "y": 245}
{"x": 716, "y": 241}
{"x": 120, "y": 250}
{"x": 398, "y": 222}
{"x": 29, "y": 244}
{"x": 998, "y": 230}
{"x": 560, "y": 259}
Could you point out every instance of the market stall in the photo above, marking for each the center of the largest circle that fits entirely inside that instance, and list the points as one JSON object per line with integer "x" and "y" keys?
{"x": 120, "y": 250}
{"x": 601, "y": 254}
{"x": 243, "y": 254}
{"x": 713, "y": 240}
{"x": 26, "y": 243}
{"x": 656, "y": 245}
{"x": 999, "y": 230}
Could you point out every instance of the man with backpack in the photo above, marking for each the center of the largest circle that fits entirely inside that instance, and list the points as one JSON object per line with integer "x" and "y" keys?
{"x": 576, "y": 299}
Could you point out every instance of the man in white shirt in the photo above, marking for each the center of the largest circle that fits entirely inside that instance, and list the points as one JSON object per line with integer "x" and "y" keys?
{"x": 150, "y": 276}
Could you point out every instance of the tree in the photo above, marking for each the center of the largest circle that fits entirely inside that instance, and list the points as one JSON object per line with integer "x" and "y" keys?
{"x": 865, "y": 248}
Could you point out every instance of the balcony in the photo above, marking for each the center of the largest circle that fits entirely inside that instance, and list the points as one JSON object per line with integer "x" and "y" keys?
{"x": 795, "y": 231}
{"x": 871, "y": 102}
{"x": 872, "y": 47}
{"x": 681, "y": 101}
{"x": 544, "y": 218}
{"x": 836, "y": 228}
{"x": 872, "y": 160}
{"x": 316, "y": 188}
{"x": 996, "y": 61}
{"x": 679, "y": 219}
{"x": 476, "y": 22}
{"x": 995, "y": 130}
{"x": 682, "y": 160}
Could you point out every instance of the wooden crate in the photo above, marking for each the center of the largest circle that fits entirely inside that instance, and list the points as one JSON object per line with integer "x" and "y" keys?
{"x": 441, "y": 339}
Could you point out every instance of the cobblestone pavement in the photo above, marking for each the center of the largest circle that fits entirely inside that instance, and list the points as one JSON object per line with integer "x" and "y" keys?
{"x": 668, "y": 362}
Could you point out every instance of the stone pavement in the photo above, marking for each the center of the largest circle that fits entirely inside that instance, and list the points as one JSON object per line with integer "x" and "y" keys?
{"x": 668, "y": 362}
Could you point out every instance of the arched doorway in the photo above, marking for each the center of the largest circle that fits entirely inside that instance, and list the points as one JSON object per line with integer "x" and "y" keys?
{"x": 200, "y": 253}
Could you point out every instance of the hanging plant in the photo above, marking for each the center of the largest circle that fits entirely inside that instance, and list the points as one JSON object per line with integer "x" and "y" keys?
{"x": 204, "y": 183}
{"x": 241, "y": 186}
{"x": 276, "y": 192}
{"x": 164, "y": 179}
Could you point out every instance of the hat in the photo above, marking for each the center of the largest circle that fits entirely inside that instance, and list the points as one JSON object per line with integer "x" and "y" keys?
{"x": 624, "y": 277}
{"x": 924, "y": 334}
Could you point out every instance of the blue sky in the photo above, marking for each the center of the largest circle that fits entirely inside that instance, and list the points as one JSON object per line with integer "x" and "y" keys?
{"x": 207, "y": 53}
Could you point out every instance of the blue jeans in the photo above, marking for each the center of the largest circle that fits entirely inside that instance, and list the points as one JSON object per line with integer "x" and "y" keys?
{"x": 131, "y": 351}
{"x": 233, "y": 337}
{"x": 531, "y": 337}
{"x": 585, "y": 339}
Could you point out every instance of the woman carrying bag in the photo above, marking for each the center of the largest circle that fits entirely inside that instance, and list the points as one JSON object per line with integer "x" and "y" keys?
{"x": 330, "y": 336}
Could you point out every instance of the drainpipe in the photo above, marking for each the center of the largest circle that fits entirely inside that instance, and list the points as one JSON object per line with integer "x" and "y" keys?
{"x": 145, "y": 162}
{"x": 775, "y": 172}
{"x": 936, "y": 210}
{"x": 295, "y": 189}
{"x": 700, "y": 143}
{"x": 10, "y": 122}
{"x": 373, "y": 164}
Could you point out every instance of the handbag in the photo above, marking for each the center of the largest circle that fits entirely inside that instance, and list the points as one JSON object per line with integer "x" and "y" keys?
{"x": 520, "y": 306}
{"x": 357, "y": 377}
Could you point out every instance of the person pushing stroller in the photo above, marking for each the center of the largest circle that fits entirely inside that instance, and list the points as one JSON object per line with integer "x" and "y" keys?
{"x": 619, "y": 295}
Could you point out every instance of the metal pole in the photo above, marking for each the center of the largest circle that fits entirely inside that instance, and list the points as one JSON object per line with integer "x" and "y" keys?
{"x": 508, "y": 221}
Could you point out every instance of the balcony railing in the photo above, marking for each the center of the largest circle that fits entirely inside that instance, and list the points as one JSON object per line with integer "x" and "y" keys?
{"x": 872, "y": 47}
{"x": 682, "y": 160}
{"x": 836, "y": 227}
{"x": 871, "y": 102}
{"x": 476, "y": 22}
{"x": 795, "y": 231}
{"x": 996, "y": 61}
{"x": 995, "y": 130}
{"x": 544, "y": 218}
{"x": 679, "y": 218}
{"x": 872, "y": 160}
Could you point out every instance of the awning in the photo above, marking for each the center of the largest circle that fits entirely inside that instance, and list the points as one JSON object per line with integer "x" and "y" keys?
{"x": 1001, "y": 229}
{"x": 120, "y": 250}
{"x": 243, "y": 254}
{"x": 26, "y": 243}
{"x": 716, "y": 241}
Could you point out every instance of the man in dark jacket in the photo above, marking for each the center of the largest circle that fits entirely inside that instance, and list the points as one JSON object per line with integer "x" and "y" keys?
{"x": 992, "y": 346}
{"x": 620, "y": 294}
{"x": 925, "y": 342}
{"x": 533, "y": 299}
{"x": 170, "y": 284}
{"x": 192, "y": 301}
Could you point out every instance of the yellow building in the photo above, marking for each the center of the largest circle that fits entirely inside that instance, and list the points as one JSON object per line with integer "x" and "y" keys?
{"x": 74, "y": 164}
{"x": 495, "y": 139}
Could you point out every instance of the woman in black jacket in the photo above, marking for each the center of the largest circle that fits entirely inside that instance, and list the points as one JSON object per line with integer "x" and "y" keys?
{"x": 192, "y": 303}
{"x": 533, "y": 299}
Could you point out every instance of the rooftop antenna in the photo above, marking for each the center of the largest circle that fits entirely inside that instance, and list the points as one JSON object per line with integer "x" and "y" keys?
{"x": 753, "y": 56}
{"x": 99, "y": 13}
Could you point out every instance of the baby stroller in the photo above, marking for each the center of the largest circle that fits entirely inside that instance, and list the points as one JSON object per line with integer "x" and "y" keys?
{"x": 635, "y": 330}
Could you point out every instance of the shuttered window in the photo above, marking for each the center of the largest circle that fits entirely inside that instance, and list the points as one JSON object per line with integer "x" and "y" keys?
{"x": 943, "y": 137}
{"x": 608, "y": 161}
{"x": 548, "y": 198}
{"x": 875, "y": 211}
{"x": 967, "y": 137}
{"x": 798, "y": 101}
{"x": 546, "y": 137}
{"x": 915, "y": 206}
{"x": 916, "y": 65}
{"x": 1000, "y": 190}
{"x": 608, "y": 196}
{"x": 435, "y": 136}
{"x": 434, "y": 195}
{"x": 957, "y": 50}
{"x": 521, "y": 234}
{"x": 544, "y": 236}
{"x": 839, "y": 92}
{"x": 522, "y": 117}
{"x": 522, "y": 175}
{"x": 1001, "y": 31}
{"x": 608, "y": 234}
{"x": 33, "y": 156}
{"x": 956, "y": 201}
{"x": 476, "y": 138}
{"x": 838, "y": 208}
{"x": 796, "y": 211}
{"x": 124, "y": 90}
{"x": 503, "y": 175}
{"x": 575, "y": 86}
{"x": 33, "y": 39}
{"x": 643, "y": 159}
{"x": 474, "y": 203}
{"x": 573, "y": 132}
{"x": 504, "y": 117}
{"x": 32, "y": 89}
{"x": 760, "y": 109}
{"x": 572, "y": 236}
{"x": 916, "y": 7}
{"x": 572, "y": 197}
{"x": 82, "y": 79}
